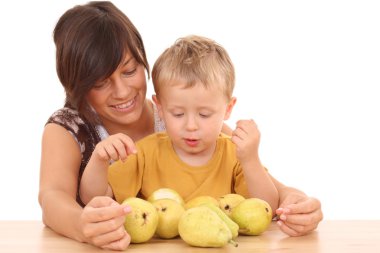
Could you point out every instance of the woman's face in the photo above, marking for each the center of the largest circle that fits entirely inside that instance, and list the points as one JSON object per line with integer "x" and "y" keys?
{"x": 120, "y": 98}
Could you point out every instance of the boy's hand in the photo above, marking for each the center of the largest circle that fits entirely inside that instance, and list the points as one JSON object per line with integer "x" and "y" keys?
{"x": 115, "y": 147}
{"x": 246, "y": 137}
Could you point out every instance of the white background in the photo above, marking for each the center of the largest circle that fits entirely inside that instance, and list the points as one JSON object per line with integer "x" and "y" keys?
{"x": 308, "y": 72}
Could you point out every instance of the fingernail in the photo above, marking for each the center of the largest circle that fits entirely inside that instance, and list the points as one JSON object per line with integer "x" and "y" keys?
{"x": 279, "y": 223}
{"x": 282, "y": 217}
{"x": 127, "y": 209}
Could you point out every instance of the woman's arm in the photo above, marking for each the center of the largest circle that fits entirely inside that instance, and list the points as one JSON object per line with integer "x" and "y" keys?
{"x": 94, "y": 180}
{"x": 60, "y": 162}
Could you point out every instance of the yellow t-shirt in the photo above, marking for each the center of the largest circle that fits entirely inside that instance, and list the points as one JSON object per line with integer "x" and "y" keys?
{"x": 156, "y": 165}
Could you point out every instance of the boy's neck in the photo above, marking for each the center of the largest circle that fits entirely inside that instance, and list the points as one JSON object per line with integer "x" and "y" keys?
{"x": 195, "y": 159}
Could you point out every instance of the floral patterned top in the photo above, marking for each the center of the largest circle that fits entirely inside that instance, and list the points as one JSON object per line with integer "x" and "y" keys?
{"x": 88, "y": 135}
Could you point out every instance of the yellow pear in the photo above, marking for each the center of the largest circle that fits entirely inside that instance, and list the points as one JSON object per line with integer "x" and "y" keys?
{"x": 197, "y": 201}
{"x": 253, "y": 216}
{"x": 165, "y": 193}
{"x": 201, "y": 227}
{"x": 169, "y": 213}
{"x": 229, "y": 201}
{"x": 233, "y": 226}
{"x": 141, "y": 222}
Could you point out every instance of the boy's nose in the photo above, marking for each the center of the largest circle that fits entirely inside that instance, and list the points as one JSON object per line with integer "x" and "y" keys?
{"x": 191, "y": 124}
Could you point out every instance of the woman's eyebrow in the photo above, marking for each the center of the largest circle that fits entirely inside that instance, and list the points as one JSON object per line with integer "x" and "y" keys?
{"x": 127, "y": 61}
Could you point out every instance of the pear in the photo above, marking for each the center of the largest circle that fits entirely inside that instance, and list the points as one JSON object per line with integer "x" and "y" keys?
{"x": 253, "y": 216}
{"x": 141, "y": 222}
{"x": 201, "y": 227}
{"x": 165, "y": 193}
{"x": 197, "y": 201}
{"x": 233, "y": 226}
{"x": 229, "y": 201}
{"x": 169, "y": 213}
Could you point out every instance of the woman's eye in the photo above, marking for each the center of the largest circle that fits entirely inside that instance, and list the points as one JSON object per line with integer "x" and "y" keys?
{"x": 129, "y": 73}
{"x": 101, "y": 84}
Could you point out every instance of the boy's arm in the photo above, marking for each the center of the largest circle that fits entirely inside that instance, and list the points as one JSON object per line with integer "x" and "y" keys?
{"x": 298, "y": 213}
{"x": 260, "y": 185}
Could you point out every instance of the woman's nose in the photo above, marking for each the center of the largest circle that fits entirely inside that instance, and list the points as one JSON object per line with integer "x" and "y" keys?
{"x": 121, "y": 88}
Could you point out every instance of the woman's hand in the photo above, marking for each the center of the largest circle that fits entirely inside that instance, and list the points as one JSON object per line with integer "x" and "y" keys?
{"x": 102, "y": 223}
{"x": 115, "y": 147}
{"x": 299, "y": 214}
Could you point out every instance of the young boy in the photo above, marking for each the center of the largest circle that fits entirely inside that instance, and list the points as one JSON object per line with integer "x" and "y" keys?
{"x": 193, "y": 82}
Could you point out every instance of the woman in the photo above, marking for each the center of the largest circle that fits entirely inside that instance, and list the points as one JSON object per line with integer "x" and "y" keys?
{"x": 101, "y": 63}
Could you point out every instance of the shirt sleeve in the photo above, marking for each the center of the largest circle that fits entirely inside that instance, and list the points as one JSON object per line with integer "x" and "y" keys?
{"x": 125, "y": 178}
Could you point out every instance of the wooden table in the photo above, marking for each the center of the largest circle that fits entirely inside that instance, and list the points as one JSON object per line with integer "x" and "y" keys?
{"x": 331, "y": 236}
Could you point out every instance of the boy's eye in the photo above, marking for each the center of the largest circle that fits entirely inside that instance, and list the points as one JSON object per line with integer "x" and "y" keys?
{"x": 204, "y": 115}
{"x": 177, "y": 115}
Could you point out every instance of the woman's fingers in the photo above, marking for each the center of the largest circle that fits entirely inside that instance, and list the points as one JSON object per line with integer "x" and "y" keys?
{"x": 121, "y": 244}
{"x": 116, "y": 239}
{"x": 296, "y": 229}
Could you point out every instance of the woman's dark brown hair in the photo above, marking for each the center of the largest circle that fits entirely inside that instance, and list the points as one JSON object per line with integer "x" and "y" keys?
{"x": 91, "y": 41}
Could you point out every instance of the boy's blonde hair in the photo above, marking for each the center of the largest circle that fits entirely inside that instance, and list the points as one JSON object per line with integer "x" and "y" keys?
{"x": 194, "y": 59}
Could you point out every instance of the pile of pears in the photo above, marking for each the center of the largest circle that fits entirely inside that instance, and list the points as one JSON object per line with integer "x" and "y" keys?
{"x": 203, "y": 221}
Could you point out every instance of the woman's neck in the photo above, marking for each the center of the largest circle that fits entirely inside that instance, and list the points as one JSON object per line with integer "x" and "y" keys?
{"x": 139, "y": 129}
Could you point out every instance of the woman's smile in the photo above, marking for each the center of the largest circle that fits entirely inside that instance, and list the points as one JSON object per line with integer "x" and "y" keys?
{"x": 125, "y": 107}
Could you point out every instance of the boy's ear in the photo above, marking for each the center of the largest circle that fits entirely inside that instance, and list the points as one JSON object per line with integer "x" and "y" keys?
{"x": 230, "y": 106}
{"x": 158, "y": 105}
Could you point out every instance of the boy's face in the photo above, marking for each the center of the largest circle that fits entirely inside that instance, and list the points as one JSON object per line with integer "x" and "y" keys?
{"x": 193, "y": 117}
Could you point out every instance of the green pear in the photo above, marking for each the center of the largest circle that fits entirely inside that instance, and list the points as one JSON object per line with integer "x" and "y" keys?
{"x": 165, "y": 193}
{"x": 229, "y": 201}
{"x": 201, "y": 227}
{"x": 197, "y": 201}
{"x": 253, "y": 216}
{"x": 234, "y": 228}
{"x": 141, "y": 222}
{"x": 169, "y": 213}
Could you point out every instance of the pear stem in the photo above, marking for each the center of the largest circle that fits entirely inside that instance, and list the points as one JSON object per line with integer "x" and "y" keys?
{"x": 235, "y": 244}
